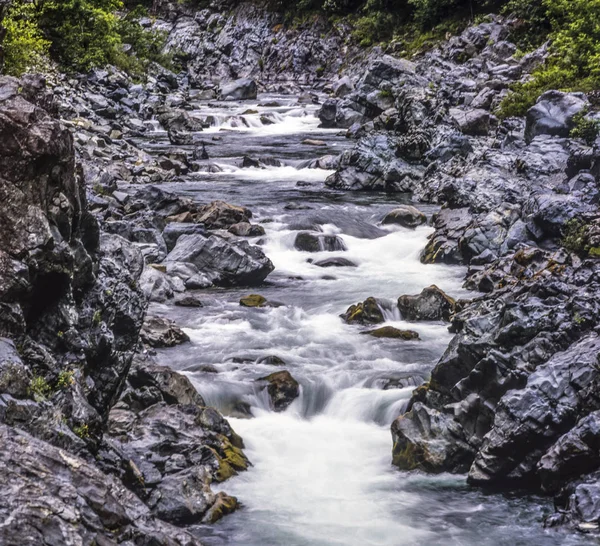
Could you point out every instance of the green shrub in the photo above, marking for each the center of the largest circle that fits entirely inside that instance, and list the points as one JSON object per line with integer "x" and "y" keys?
{"x": 574, "y": 60}
{"x": 25, "y": 48}
{"x": 586, "y": 129}
{"x": 80, "y": 35}
{"x": 39, "y": 388}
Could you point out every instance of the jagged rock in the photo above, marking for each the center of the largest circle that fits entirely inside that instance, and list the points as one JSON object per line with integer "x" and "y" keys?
{"x": 527, "y": 422}
{"x": 271, "y": 360}
{"x": 473, "y": 122}
{"x": 188, "y": 300}
{"x": 318, "y": 242}
{"x": 283, "y": 389}
{"x": 51, "y": 496}
{"x": 225, "y": 263}
{"x": 406, "y": 216}
{"x": 158, "y": 286}
{"x": 367, "y": 312}
{"x": 553, "y": 114}
{"x": 220, "y": 215}
{"x": 393, "y": 333}
{"x": 161, "y": 332}
{"x": 246, "y": 229}
{"x": 242, "y": 89}
{"x": 174, "y": 230}
{"x": 431, "y": 304}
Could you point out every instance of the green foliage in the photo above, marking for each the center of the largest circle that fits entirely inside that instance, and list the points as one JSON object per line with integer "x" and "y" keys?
{"x": 585, "y": 128}
{"x": 39, "y": 388}
{"x": 66, "y": 378}
{"x": 80, "y": 35}
{"x": 576, "y": 238}
{"x": 373, "y": 28}
{"x": 97, "y": 318}
{"x": 83, "y": 431}
{"x": 25, "y": 48}
{"x": 574, "y": 60}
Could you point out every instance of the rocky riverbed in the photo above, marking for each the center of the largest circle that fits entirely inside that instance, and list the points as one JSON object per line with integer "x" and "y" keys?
{"x": 221, "y": 288}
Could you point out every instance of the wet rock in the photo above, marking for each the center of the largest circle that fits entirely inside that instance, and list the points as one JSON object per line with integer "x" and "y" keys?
{"x": 575, "y": 454}
{"x": 335, "y": 262}
{"x": 343, "y": 87}
{"x": 56, "y": 497}
{"x": 431, "y": 304}
{"x": 271, "y": 360}
{"x": 367, "y": 312}
{"x": 188, "y": 300}
{"x": 174, "y": 230}
{"x": 225, "y": 263}
{"x": 242, "y": 89}
{"x": 283, "y": 389}
{"x": 327, "y": 113}
{"x": 161, "y": 332}
{"x": 318, "y": 242}
{"x": 313, "y": 142}
{"x": 567, "y": 381}
{"x": 553, "y": 114}
{"x": 158, "y": 286}
{"x": 406, "y": 216}
{"x": 220, "y": 215}
{"x": 392, "y": 333}
{"x": 246, "y": 229}
{"x": 253, "y": 300}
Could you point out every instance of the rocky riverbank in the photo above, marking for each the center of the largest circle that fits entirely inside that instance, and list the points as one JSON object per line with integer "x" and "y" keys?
{"x": 512, "y": 401}
{"x": 105, "y": 446}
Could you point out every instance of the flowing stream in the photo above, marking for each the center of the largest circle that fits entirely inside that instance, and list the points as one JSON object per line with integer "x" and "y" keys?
{"x": 322, "y": 471}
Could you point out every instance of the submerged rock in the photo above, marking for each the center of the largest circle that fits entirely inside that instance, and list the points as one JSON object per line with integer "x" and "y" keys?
{"x": 393, "y": 333}
{"x": 318, "y": 242}
{"x": 253, "y": 300}
{"x": 431, "y": 304}
{"x": 406, "y": 216}
{"x": 335, "y": 262}
{"x": 366, "y": 312}
{"x": 283, "y": 389}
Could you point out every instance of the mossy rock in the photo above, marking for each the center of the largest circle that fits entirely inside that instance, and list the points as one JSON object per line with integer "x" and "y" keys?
{"x": 223, "y": 505}
{"x": 366, "y": 312}
{"x": 393, "y": 333}
{"x": 253, "y": 300}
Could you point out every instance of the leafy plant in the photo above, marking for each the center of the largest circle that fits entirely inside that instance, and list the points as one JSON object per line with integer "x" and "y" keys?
{"x": 25, "y": 48}
{"x": 39, "y": 388}
{"x": 586, "y": 129}
{"x": 66, "y": 378}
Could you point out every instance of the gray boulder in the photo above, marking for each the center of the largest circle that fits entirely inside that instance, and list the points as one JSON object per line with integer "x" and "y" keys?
{"x": 242, "y": 89}
{"x": 431, "y": 304}
{"x": 553, "y": 114}
{"x": 225, "y": 263}
{"x": 406, "y": 216}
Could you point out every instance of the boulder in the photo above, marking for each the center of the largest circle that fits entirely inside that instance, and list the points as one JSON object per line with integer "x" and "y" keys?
{"x": 554, "y": 114}
{"x": 475, "y": 122}
{"x": 343, "y": 87}
{"x": 225, "y": 263}
{"x": 283, "y": 389}
{"x": 55, "y": 497}
{"x": 406, "y": 216}
{"x": 318, "y": 242}
{"x": 174, "y": 230}
{"x": 366, "y": 312}
{"x": 431, "y": 304}
{"x": 393, "y": 333}
{"x": 221, "y": 215}
{"x": 242, "y": 89}
{"x": 335, "y": 262}
{"x": 246, "y": 229}
{"x": 161, "y": 332}
{"x": 253, "y": 300}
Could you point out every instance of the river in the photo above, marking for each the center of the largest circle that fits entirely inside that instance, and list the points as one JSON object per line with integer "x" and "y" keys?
{"x": 322, "y": 472}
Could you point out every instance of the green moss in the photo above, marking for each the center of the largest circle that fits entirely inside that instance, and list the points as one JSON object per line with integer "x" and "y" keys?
{"x": 82, "y": 431}
{"x": 594, "y": 252}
